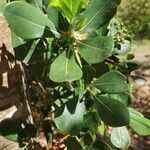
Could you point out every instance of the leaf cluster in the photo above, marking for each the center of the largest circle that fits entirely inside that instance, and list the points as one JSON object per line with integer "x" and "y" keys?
{"x": 81, "y": 58}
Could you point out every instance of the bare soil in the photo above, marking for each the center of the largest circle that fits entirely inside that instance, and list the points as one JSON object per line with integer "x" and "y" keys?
{"x": 141, "y": 50}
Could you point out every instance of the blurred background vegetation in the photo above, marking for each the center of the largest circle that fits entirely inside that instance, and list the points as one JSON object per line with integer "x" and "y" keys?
{"x": 135, "y": 14}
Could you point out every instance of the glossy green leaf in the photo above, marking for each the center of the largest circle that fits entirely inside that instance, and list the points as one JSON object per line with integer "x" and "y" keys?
{"x": 73, "y": 144}
{"x": 91, "y": 121}
{"x": 70, "y": 8}
{"x": 99, "y": 13}
{"x": 120, "y": 137}
{"x": 70, "y": 119}
{"x": 65, "y": 69}
{"x": 112, "y": 112}
{"x": 139, "y": 123}
{"x": 112, "y": 82}
{"x": 25, "y": 20}
{"x": 96, "y": 49}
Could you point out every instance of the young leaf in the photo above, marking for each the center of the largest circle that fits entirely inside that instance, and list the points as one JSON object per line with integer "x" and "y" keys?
{"x": 98, "y": 13}
{"x": 73, "y": 144}
{"x": 70, "y": 120}
{"x": 101, "y": 128}
{"x": 25, "y": 20}
{"x": 65, "y": 69}
{"x": 70, "y": 8}
{"x": 112, "y": 82}
{"x": 139, "y": 123}
{"x": 96, "y": 49}
{"x": 112, "y": 112}
{"x": 120, "y": 137}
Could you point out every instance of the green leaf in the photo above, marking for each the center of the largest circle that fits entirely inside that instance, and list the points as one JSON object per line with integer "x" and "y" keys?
{"x": 96, "y": 49}
{"x": 65, "y": 69}
{"x": 46, "y": 2}
{"x": 91, "y": 121}
{"x": 11, "y": 129}
{"x": 40, "y": 58}
{"x": 139, "y": 123}
{"x": 70, "y": 8}
{"x": 127, "y": 67}
{"x": 112, "y": 112}
{"x": 111, "y": 82}
{"x": 103, "y": 30}
{"x": 25, "y": 20}
{"x": 53, "y": 15}
{"x": 36, "y": 3}
{"x": 12, "y": 137}
{"x": 101, "y": 128}
{"x": 16, "y": 40}
{"x": 89, "y": 138}
{"x": 120, "y": 137}
{"x": 70, "y": 117}
{"x": 30, "y": 52}
{"x": 125, "y": 98}
{"x": 73, "y": 144}
{"x": 94, "y": 71}
{"x": 99, "y": 13}
{"x": 130, "y": 56}
{"x": 99, "y": 145}
{"x": 2, "y": 6}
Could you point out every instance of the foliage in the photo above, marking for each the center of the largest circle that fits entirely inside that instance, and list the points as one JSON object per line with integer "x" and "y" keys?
{"x": 135, "y": 15}
{"x": 79, "y": 64}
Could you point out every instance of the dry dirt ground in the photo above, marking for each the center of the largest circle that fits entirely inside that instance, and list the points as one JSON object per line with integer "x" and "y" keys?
{"x": 141, "y": 50}
{"x": 142, "y": 93}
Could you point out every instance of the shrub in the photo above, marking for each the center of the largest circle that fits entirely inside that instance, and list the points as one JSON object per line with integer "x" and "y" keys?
{"x": 79, "y": 66}
{"x": 135, "y": 15}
